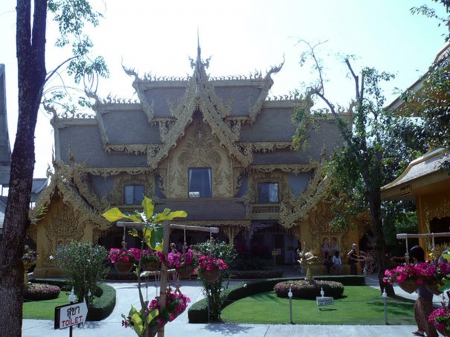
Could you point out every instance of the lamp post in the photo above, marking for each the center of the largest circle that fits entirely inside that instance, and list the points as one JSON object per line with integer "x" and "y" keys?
{"x": 71, "y": 300}
{"x": 385, "y": 307}
{"x": 290, "y": 302}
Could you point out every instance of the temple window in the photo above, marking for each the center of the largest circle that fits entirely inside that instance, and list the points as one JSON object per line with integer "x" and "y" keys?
{"x": 134, "y": 194}
{"x": 268, "y": 193}
{"x": 200, "y": 181}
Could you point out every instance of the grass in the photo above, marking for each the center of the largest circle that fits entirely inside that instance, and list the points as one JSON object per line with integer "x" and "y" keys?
{"x": 44, "y": 309}
{"x": 360, "y": 305}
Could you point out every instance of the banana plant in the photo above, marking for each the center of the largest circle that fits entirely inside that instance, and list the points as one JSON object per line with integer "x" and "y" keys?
{"x": 152, "y": 231}
{"x": 153, "y": 237}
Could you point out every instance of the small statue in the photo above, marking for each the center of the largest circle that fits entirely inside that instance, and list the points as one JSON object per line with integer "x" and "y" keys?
{"x": 307, "y": 258}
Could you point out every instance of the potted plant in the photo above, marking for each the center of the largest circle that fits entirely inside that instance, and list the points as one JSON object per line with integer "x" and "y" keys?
{"x": 122, "y": 259}
{"x": 210, "y": 268}
{"x": 441, "y": 320}
{"x": 182, "y": 262}
{"x": 409, "y": 277}
{"x": 150, "y": 260}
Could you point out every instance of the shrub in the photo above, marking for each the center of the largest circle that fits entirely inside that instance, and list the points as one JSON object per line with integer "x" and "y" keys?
{"x": 256, "y": 274}
{"x": 248, "y": 263}
{"x": 40, "y": 291}
{"x": 309, "y": 289}
{"x": 83, "y": 263}
{"x": 103, "y": 304}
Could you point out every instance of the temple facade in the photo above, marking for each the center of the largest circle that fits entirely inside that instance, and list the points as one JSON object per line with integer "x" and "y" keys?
{"x": 216, "y": 147}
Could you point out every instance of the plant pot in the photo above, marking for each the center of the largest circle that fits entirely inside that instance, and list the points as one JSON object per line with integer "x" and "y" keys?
{"x": 433, "y": 287}
{"x": 409, "y": 286}
{"x": 185, "y": 271}
{"x": 443, "y": 332}
{"x": 123, "y": 267}
{"x": 211, "y": 275}
{"x": 150, "y": 265}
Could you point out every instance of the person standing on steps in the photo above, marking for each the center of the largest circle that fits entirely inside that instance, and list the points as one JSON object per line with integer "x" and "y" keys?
{"x": 353, "y": 259}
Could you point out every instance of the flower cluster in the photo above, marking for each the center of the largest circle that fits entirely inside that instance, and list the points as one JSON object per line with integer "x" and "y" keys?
{"x": 422, "y": 272}
{"x": 123, "y": 255}
{"x": 440, "y": 318}
{"x": 149, "y": 255}
{"x": 40, "y": 291}
{"x": 410, "y": 271}
{"x": 176, "y": 303}
{"x": 206, "y": 262}
{"x": 178, "y": 259}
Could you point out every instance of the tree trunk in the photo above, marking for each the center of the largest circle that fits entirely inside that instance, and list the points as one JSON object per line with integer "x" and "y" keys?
{"x": 30, "y": 46}
{"x": 380, "y": 243}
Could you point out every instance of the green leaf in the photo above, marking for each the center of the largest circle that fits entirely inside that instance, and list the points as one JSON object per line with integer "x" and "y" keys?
{"x": 133, "y": 232}
{"x": 149, "y": 208}
{"x": 156, "y": 239}
{"x": 136, "y": 218}
{"x": 114, "y": 214}
{"x": 168, "y": 215}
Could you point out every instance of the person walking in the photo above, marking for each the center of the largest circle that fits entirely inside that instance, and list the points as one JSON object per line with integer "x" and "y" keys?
{"x": 424, "y": 303}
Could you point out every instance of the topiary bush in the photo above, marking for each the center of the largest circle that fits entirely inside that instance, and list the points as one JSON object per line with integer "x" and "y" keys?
{"x": 40, "y": 291}
{"x": 103, "y": 304}
{"x": 309, "y": 289}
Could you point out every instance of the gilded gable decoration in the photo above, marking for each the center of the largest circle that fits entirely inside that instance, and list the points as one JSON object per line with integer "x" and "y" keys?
{"x": 439, "y": 209}
{"x": 125, "y": 178}
{"x": 296, "y": 209}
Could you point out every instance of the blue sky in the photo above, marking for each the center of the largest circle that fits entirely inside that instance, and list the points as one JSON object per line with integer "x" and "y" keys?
{"x": 242, "y": 36}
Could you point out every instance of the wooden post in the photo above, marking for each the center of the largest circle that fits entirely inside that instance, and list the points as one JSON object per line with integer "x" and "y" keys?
{"x": 163, "y": 288}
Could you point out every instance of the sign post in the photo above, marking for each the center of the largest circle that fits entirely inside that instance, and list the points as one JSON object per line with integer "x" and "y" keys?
{"x": 66, "y": 316}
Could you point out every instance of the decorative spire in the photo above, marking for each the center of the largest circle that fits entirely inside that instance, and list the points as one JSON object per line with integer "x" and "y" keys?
{"x": 198, "y": 63}
{"x": 199, "y": 51}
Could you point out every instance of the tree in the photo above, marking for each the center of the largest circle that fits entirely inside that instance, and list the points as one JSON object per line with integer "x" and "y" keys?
{"x": 359, "y": 169}
{"x": 430, "y": 101}
{"x": 32, "y": 76}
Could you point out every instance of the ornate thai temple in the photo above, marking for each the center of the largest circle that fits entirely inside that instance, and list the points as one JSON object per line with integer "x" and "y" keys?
{"x": 218, "y": 148}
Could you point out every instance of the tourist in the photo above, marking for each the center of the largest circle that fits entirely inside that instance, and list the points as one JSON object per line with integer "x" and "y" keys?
{"x": 325, "y": 247}
{"x": 337, "y": 263}
{"x": 424, "y": 303}
{"x": 328, "y": 262}
{"x": 353, "y": 259}
{"x": 334, "y": 246}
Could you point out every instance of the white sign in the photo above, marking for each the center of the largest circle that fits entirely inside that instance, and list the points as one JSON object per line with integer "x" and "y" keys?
{"x": 322, "y": 301}
{"x": 71, "y": 314}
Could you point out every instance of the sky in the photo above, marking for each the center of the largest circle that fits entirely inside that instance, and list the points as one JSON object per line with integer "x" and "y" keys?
{"x": 241, "y": 36}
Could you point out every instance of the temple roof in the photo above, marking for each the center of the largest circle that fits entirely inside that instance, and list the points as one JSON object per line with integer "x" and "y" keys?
{"x": 237, "y": 110}
{"x": 422, "y": 176}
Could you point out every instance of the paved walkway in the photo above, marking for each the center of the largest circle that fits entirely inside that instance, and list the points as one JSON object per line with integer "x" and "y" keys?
{"x": 127, "y": 295}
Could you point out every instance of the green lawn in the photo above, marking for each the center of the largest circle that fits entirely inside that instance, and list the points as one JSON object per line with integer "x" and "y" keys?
{"x": 45, "y": 309}
{"x": 360, "y": 305}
